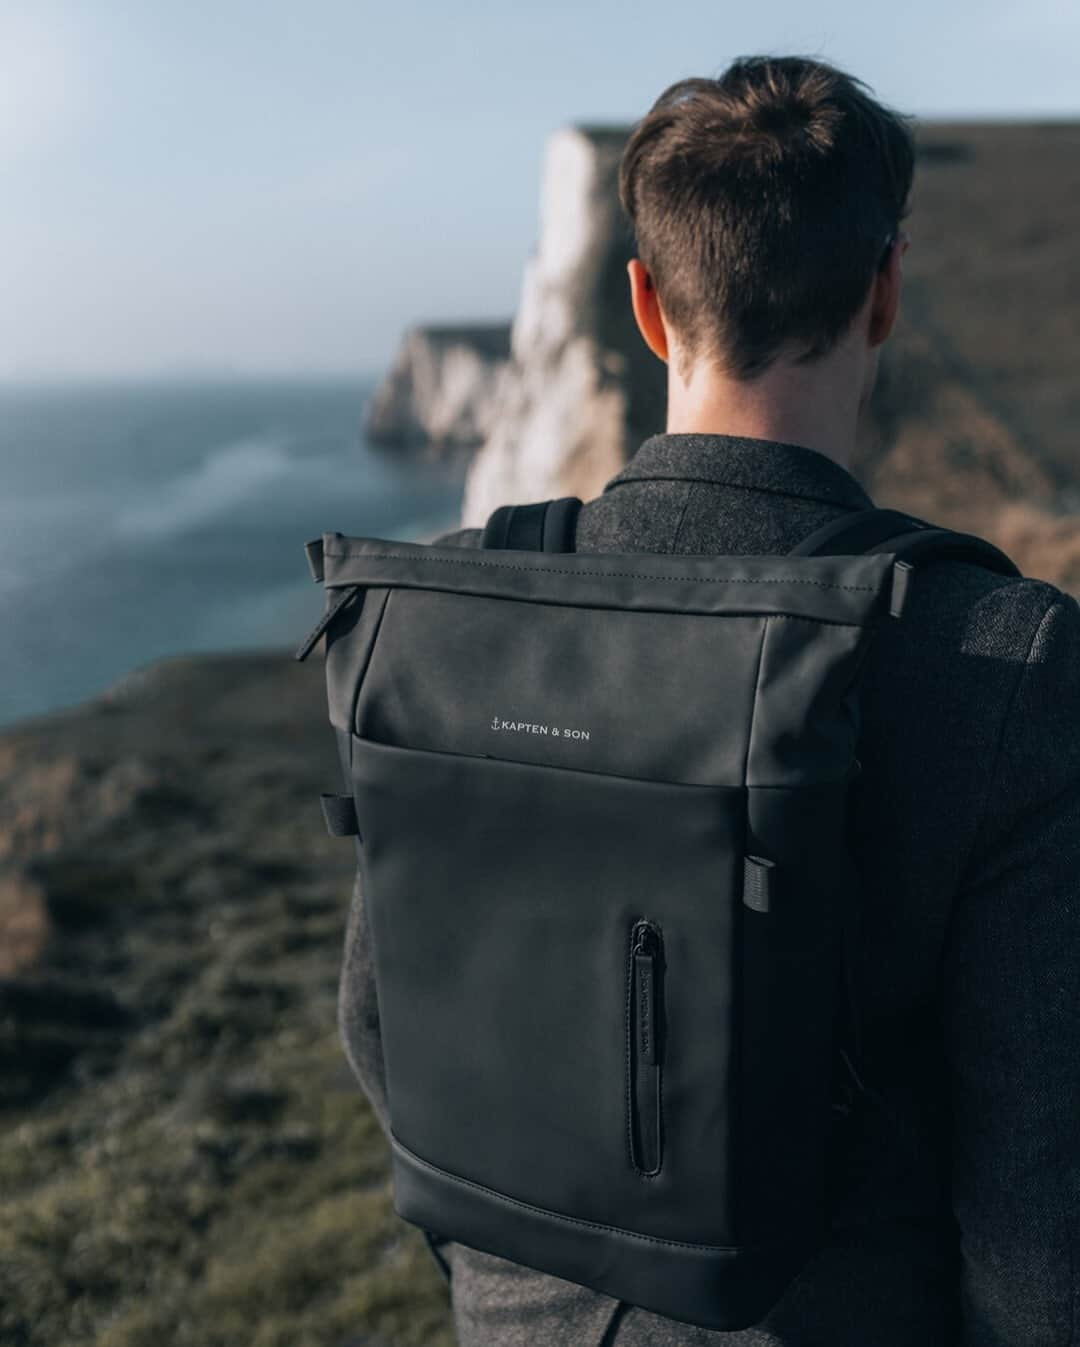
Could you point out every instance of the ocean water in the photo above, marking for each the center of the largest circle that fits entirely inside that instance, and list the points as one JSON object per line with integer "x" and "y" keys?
{"x": 148, "y": 519}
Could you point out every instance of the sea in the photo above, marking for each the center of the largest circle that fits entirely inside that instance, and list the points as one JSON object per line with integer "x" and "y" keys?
{"x": 145, "y": 519}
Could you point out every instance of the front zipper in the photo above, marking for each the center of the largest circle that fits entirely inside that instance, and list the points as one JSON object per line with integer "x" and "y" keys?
{"x": 644, "y": 1029}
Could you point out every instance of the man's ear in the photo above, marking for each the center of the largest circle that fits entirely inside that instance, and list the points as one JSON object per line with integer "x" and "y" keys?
{"x": 887, "y": 287}
{"x": 646, "y": 305}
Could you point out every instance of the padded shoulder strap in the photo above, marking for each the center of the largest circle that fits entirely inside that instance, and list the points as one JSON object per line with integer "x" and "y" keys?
{"x": 913, "y": 540}
{"x": 540, "y": 526}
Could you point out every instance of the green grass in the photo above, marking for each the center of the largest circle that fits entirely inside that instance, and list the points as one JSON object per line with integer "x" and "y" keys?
{"x": 150, "y": 1216}
{"x": 206, "y": 1173}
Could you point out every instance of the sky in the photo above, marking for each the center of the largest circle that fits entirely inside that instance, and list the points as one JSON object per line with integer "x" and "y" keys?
{"x": 255, "y": 186}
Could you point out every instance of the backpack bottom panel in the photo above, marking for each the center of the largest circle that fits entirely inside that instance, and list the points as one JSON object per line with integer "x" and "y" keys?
{"x": 713, "y": 1287}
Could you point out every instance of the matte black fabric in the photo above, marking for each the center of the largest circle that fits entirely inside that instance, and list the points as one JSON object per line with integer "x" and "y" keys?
{"x": 546, "y": 526}
{"x": 555, "y": 671}
{"x": 701, "y": 1012}
{"x": 313, "y": 552}
{"x": 966, "y": 830}
{"x": 838, "y": 589}
{"x": 336, "y": 601}
{"x": 916, "y": 540}
{"x": 661, "y": 1273}
{"x": 600, "y": 1028}
{"x": 516, "y": 526}
{"x": 560, "y": 524}
{"x": 339, "y": 811}
{"x": 497, "y": 527}
{"x": 855, "y": 532}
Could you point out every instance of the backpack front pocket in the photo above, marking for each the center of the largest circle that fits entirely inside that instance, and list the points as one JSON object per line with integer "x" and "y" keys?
{"x": 524, "y": 918}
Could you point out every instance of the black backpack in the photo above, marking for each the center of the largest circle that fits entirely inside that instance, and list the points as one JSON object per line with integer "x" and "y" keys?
{"x": 600, "y": 804}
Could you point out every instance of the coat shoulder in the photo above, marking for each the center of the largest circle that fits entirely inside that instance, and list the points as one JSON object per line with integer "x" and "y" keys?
{"x": 467, "y": 537}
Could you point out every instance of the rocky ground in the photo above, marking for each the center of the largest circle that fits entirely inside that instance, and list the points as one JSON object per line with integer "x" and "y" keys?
{"x": 184, "y": 1156}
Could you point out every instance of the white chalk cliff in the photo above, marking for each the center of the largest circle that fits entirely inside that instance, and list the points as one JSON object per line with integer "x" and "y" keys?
{"x": 444, "y": 389}
{"x": 582, "y": 389}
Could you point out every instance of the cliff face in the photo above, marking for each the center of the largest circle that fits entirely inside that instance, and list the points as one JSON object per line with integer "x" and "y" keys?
{"x": 443, "y": 390}
{"x": 582, "y": 388}
{"x": 974, "y": 418}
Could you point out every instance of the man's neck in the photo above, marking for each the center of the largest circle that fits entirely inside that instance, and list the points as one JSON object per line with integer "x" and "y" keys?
{"x": 789, "y": 405}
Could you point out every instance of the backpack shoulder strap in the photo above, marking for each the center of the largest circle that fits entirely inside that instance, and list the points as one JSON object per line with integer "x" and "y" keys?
{"x": 540, "y": 526}
{"x": 913, "y": 540}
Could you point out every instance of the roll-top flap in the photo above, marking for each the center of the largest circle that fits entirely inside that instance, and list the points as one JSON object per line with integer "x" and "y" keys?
{"x": 845, "y": 589}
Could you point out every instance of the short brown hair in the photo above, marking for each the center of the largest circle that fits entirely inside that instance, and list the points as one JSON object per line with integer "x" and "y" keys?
{"x": 762, "y": 202}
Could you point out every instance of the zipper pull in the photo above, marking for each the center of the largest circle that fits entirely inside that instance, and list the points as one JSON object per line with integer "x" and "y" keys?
{"x": 308, "y": 643}
{"x": 646, "y": 949}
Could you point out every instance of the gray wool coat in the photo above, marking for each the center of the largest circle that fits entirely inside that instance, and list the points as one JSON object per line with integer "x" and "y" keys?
{"x": 960, "y": 1220}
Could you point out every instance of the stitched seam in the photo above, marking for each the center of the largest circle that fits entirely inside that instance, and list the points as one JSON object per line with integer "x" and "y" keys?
{"x": 660, "y": 1036}
{"x": 820, "y": 621}
{"x": 618, "y": 1311}
{"x": 611, "y": 575}
{"x": 358, "y": 682}
{"x": 660, "y": 1126}
{"x": 754, "y": 703}
{"x": 620, "y": 608}
{"x": 577, "y": 1220}
{"x": 646, "y": 781}
{"x": 365, "y": 741}
{"x": 629, "y": 1052}
{"x": 682, "y": 515}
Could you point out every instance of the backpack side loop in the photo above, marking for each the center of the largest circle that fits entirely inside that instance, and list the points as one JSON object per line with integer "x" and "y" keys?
{"x": 540, "y": 526}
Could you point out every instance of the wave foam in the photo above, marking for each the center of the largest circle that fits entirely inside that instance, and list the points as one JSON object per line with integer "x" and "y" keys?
{"x": 223, "y": 480}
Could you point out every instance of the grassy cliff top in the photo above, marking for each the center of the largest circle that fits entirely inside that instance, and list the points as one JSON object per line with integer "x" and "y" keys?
{"x": 184, "y": 1155}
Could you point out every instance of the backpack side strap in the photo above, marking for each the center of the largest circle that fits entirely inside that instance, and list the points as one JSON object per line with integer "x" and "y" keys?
{"x": 540, "y": 526}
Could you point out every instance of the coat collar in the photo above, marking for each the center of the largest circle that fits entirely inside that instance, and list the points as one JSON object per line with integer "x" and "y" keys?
{"x": 739, "y": 461}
